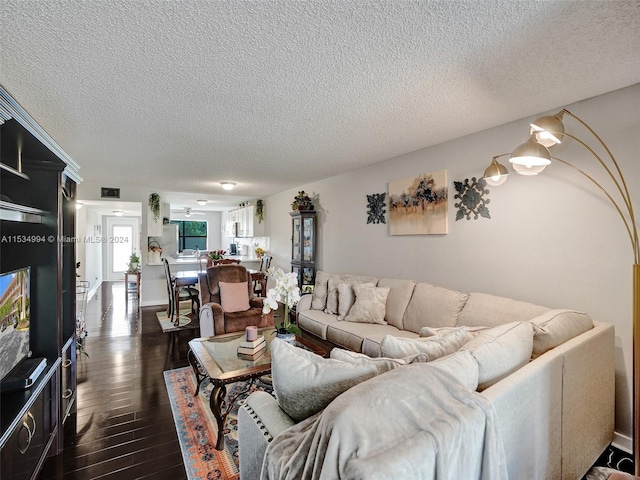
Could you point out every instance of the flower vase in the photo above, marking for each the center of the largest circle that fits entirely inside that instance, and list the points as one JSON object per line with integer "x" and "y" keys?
{"x": 287, "y": 337}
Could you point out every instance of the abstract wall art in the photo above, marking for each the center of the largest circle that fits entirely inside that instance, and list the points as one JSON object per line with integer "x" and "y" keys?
{"x": 419, "y": 205}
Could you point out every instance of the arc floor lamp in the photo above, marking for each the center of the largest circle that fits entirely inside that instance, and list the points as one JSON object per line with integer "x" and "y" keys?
{"x": 531, "y": 158}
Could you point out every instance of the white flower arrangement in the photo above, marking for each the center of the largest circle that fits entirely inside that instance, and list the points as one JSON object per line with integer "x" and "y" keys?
{"x": 287, "y": 292}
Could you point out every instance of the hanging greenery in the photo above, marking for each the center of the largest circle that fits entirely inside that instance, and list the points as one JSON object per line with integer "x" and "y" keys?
{"x": 154, "y": 205}
{"x": 260, "y": 210}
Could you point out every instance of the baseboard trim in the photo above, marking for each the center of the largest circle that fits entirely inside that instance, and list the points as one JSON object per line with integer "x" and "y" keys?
{"x": 622, "y": 442}
{"x": 616, "y": 458}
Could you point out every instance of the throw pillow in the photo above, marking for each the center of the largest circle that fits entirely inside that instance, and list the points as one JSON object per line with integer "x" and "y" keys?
{"x": 346, "y": 298}
{"x": 305, "y": 383}
{"x": 332, "y": 289}
{"x": 500, "y": 351}
{"x": 462, "y": 366}
{"x": 332, "y": 294}
{"x": 369, "y": 306}
{"x": 234, "y": 297}
{"x": 319, "y": 297}
{"x": 382, "y": 364}
{"x": 434, "y": 332}
{"x": 434, "y": 347}
{"x": 555, "y": 327}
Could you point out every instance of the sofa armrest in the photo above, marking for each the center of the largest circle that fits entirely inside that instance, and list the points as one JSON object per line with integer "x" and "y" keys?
{"x": 260, "y": 419}
{"x": 303, "y": 304}
{"x": 568, "y": 395}
{"x": 256, "y": 302}
{"x": 211, "y": 320}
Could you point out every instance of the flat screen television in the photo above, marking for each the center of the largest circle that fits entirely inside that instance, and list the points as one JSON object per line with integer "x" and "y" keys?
{"x": 14, "y": 318}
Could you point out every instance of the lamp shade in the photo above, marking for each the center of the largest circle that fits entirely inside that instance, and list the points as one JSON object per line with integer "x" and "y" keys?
{"x": 528, "y": 170}
{"x": 548, "y": 129}
{"x": 530, "y": 154}
{"x": 496, "y": 173}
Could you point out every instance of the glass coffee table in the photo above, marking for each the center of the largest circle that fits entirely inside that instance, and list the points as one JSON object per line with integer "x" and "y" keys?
{"x": 216, "y": 358}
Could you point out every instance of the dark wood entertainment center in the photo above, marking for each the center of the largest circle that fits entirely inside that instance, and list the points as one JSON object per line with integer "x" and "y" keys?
{"x": 37, "y": 228}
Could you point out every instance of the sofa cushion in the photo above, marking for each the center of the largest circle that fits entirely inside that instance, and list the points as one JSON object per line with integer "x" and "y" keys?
{"x": 316, "y": 322}
{"x": 234, "y": 297}
{"x": 319, "y": 296}
{"x": 434, "y": 347}
{"x": 346, "y": 298}
{"x": 500, "y": 351}
{"x": 305, "y": 383}
{"x": 432, "y": 306}
{"x": 462, "y": 366}
{"x": 350, "y": 335}
{"x": 487, "y": 310}
{"x": 374, "y": 336}
{"x": 555, "y": 327}
{"x": 370, "y": 304}
{"x": 399, "y": 296}
{"x": 382, "y": 364}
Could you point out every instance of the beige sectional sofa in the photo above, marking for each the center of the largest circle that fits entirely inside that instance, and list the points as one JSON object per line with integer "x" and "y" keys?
{"x": 548, "y": 373}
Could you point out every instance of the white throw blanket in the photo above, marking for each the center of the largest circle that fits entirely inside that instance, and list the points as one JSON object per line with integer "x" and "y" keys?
{"x": 414, "y": 422}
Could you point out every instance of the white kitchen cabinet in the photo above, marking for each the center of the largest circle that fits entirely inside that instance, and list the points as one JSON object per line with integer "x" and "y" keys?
{"x": 245, "y": 220}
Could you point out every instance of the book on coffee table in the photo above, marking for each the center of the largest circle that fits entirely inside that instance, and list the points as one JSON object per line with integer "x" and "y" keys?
{"x": 252, "y": 348}
{"x": 254, "y": 343}
{"x": 252, "y": 356}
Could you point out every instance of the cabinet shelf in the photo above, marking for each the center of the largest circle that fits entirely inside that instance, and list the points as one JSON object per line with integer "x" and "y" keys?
{"x": 12, "y": 170}
{"x": 20, "y": 213}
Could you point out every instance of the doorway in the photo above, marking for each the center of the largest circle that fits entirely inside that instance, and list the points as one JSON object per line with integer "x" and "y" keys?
{"x": 123, "y": 238}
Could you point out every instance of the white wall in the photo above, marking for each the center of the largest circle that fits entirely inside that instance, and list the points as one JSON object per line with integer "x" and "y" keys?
{"x": 552, "y": 239}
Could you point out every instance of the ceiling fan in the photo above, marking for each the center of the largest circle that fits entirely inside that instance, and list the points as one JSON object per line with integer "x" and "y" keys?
{"x": 187, "y": 212}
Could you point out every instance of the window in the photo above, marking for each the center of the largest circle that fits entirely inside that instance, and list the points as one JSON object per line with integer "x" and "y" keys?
{"x": 191, "y": 235}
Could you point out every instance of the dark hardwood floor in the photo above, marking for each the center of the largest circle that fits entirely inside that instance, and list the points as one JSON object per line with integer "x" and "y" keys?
{"x": 124, "y": 428}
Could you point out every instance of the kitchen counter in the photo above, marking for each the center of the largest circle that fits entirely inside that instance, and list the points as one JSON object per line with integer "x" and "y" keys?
{"x": 250, "y": 261}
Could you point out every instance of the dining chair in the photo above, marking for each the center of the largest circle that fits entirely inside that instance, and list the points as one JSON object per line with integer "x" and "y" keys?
{"x": 260, "y": 281}
{"x": 184, "y": 293}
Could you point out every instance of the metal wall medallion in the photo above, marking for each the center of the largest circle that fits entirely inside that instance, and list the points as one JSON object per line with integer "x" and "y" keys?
{"x": 376, "y": 204}
{"x": 473, "y": 201}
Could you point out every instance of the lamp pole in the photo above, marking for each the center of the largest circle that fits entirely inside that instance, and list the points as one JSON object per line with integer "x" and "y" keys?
{"x": 534, "y": 156}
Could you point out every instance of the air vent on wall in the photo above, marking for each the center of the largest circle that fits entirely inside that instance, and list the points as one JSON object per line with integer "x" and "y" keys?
{"x": 107, "y": 192}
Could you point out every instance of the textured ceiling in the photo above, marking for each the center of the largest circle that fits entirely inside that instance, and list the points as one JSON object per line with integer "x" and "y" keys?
{"x": 177, "y": 96}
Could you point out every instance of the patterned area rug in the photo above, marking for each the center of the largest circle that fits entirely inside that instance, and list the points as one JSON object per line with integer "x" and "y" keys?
{"x": 197, "y": 429}
{"x": 167, "y": 324}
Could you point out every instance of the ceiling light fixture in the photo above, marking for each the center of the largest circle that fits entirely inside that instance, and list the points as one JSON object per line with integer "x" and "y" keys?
{"x": 79, "y": 205}
{"x": 228, "y": 185}
{"x": 201, "y": 202}
{"x": 118, "y": 213}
